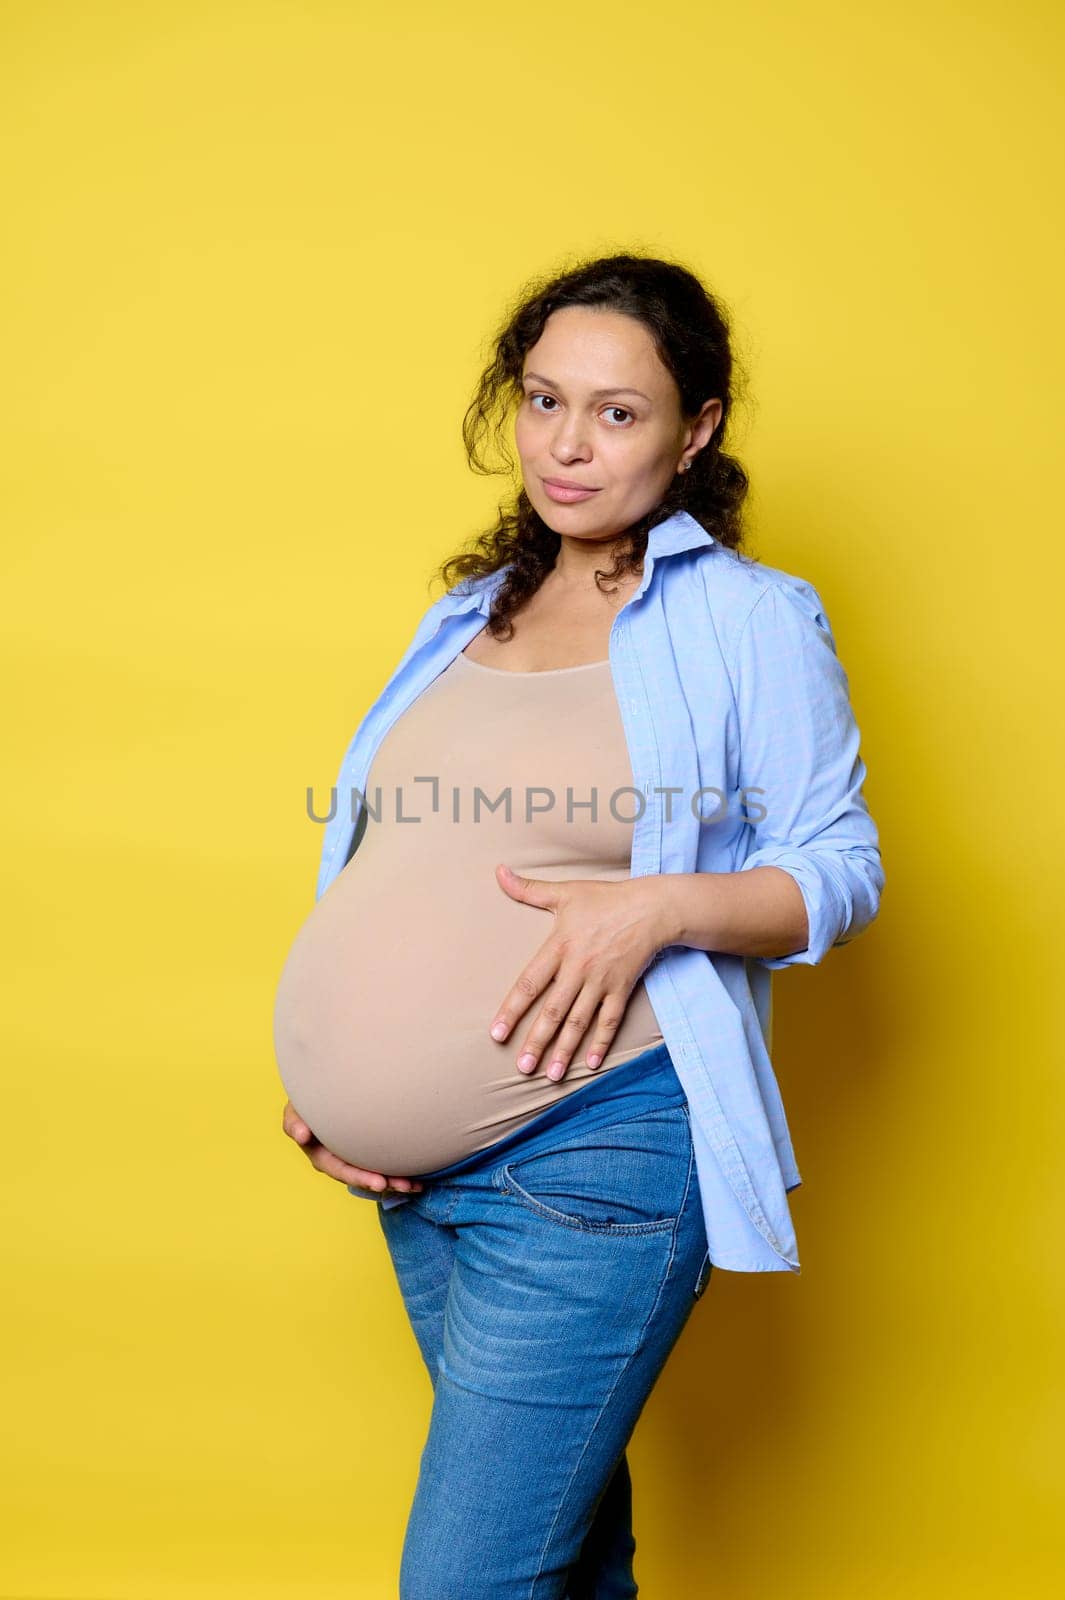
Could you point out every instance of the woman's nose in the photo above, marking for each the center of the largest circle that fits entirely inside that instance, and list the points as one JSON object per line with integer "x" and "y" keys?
{"x": 571, "y": 443}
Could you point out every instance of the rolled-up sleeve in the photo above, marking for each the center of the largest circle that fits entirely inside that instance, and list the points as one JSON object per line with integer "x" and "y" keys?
{"x": 800, "y": 761}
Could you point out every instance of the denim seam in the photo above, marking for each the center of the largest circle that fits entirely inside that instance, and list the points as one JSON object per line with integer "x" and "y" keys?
{"x": 680, "y": 1218}
{"x": 621, "y": 1373}
{"x": 608, "y": 1230}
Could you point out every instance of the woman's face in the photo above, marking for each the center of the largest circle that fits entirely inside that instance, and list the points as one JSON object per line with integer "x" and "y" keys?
{"x": 600, "y": 410}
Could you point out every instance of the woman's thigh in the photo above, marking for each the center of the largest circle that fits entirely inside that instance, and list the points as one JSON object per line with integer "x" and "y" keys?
{"x": 423, "y": 1253}
{"x": 573, "y": 1274}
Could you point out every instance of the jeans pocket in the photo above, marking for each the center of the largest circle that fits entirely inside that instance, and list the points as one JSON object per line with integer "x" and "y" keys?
{"x": 624, "y": 1177}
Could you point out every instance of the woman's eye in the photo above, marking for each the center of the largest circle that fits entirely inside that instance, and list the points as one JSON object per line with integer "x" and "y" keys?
{"x": 534, "y": 397}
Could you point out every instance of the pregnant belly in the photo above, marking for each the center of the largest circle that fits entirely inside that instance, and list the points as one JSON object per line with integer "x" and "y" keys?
{"x": 381, "y": 1021}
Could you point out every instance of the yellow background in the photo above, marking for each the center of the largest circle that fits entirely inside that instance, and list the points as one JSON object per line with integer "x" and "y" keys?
{"x": 254, "y": 255}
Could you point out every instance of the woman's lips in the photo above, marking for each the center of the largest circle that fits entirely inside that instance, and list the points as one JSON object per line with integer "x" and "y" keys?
{"x": 566, "y": 495}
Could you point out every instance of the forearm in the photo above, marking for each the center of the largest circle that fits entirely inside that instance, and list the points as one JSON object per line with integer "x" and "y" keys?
{"x": 755, "y": 913}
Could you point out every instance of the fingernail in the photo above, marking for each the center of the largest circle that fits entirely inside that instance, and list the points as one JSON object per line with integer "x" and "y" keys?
{"x": 556, "y": 1069}
{"x": 499, "y": 1030}
{"x": 526, "y": 1063}
{"x": 593, "y": 1061}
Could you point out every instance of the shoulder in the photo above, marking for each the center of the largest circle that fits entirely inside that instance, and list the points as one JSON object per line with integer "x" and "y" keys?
{"x": 746, "y": 596}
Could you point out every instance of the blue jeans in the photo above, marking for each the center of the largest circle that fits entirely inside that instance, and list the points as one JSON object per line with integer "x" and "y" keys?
{"x": 547, "y": 1279}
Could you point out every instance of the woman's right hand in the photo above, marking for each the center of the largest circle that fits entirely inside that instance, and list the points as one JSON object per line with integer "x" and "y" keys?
{"x": 325, "y": 1161}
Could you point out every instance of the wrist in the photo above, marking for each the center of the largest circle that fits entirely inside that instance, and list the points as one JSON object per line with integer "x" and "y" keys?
{"x": 662, "y": 911}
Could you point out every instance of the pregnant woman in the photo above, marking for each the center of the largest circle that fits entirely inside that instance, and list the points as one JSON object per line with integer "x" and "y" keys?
{"x": 613, "y": 782}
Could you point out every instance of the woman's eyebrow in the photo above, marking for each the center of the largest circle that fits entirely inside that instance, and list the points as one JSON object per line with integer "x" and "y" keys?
{"x": 597, "y": 394}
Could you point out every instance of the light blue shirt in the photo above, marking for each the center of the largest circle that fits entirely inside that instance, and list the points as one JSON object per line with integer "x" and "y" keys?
{"x": 744, "y": 746}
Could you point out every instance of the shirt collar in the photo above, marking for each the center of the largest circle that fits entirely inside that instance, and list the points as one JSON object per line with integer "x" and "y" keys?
{"x": 677, "y": 533}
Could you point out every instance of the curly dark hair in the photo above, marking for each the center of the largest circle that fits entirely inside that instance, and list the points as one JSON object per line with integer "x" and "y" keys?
{"x": 691, "y": 331}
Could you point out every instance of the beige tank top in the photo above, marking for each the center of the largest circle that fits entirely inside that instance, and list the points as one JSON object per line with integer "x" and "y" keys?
{"x": 386, "y": 997}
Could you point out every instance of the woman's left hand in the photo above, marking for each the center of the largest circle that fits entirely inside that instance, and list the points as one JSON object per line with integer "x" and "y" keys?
{"x": 605, "y": 935}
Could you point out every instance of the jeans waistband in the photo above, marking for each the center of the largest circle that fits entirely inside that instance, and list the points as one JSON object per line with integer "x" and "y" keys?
{"x": 644, "y": 1082}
